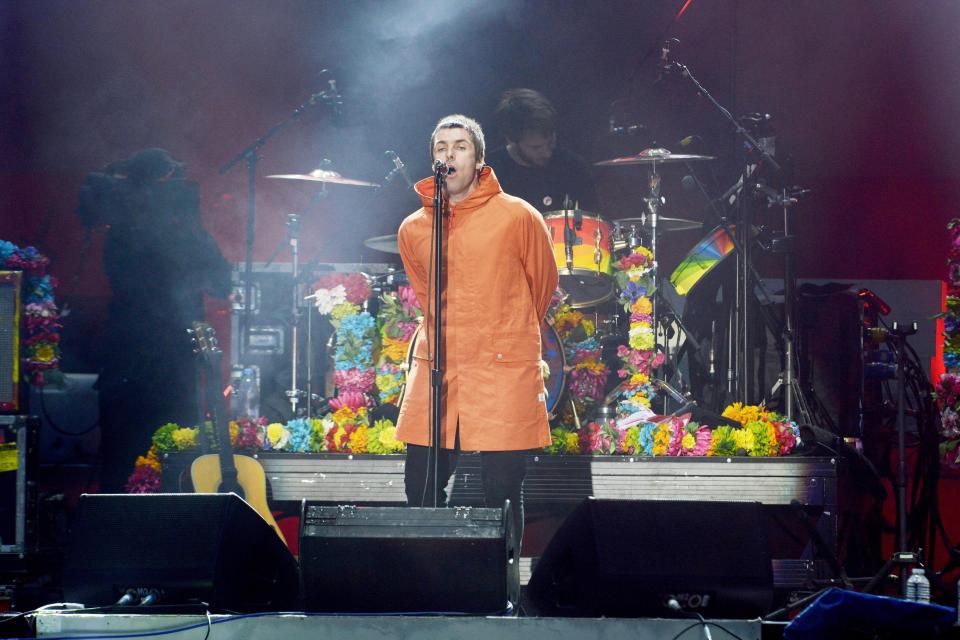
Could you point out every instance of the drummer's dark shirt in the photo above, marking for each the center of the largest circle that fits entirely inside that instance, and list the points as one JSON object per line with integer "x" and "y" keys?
{"x": 545, "y": 187}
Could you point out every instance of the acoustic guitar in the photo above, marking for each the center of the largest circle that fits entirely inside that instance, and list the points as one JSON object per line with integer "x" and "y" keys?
{"x": 225, "y": 471}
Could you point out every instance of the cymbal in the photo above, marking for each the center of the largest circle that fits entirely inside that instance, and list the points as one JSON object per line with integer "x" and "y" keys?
{"x": 664, "y": 224}
{"x": 387, "y": 244}
{"x": 322, "y": 175}
{"x": 652, "y": 156}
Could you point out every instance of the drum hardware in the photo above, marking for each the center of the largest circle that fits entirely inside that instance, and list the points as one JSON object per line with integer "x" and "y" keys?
{"x": 740, "y": 370}
{"x": 250, "y": 155}
{"x": 387, "y": 244}
{"x": 793, "y": 395}
{"x": 325, "y": 176}
{"x": 652, "y": 157}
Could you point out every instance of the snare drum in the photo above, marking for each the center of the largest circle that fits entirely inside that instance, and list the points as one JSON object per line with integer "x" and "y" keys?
{"x": 582, "y": 255}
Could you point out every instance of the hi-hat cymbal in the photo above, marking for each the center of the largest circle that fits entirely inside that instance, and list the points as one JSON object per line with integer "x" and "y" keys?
{"x": 652, "y": 156}
{"x": 664, "y": 224}
{"x": 323, "y": 175}
{"x": 387, "y": 244}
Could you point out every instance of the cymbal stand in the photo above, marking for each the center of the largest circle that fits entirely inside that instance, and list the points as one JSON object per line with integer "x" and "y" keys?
{"x": 293, "y": 230}
{"x": 654, "y": 201}
{"x": 794, "y": 398}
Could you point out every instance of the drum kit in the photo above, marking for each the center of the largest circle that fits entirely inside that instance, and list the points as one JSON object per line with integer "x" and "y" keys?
{"x": 586, "y": 246}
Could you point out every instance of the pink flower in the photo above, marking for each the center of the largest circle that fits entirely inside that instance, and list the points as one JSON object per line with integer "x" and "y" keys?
{"x": 358, "y": 380}
{"x": 408, "y": 300}
{"x": 352, "y": 399}
{"x": 144, "y": 479}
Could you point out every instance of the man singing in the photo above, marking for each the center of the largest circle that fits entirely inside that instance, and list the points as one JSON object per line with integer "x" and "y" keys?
{"x": 499, "y": 275}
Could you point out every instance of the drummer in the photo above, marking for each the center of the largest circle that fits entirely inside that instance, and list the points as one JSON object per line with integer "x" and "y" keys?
{"x": 531, "y": 165}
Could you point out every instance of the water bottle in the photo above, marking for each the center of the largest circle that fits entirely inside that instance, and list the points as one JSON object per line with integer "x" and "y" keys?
{"x": 250, "y": 394}
{"x": 918, "y": 587}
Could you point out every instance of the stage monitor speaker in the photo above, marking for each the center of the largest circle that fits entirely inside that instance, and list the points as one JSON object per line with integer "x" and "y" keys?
{"x": 183, "y": 547}
{"x": 10, "y": 341}
{"x": 628, "y": 558}
{"x": 402, "y": 559}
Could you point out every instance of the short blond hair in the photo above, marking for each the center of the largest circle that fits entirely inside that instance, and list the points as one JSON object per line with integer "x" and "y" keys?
{"x": 459, "y": 121}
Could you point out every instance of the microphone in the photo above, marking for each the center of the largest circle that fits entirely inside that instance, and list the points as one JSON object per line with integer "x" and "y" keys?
{"x": 336, "y": 100}
{"x": 398, "y": 167}
{"x": 665, "y": 66}
{"x": 440, "y": 168}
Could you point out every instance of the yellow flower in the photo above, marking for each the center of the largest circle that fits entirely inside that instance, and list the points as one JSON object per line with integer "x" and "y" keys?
{"x": 642, "y": 305}
{"x": 638, "y": 379}
{"x": 394, "y": 350}
{"x": 641, "y": 341}
{"x": 733, "y": 412}
{"x": 589, "y": 327}
{"x": 343, "y": 310}
{"x": 234, "y": 431}
{"x": 571, "y": 442}
{"x": 743, "y": 439}
{"x": 147, "y": 461}
{"x": 358, "y": 440}
{"x": 661, "y": 438}
{"x": 566, "y": 320}
{"x": 185, "y": 438}
{"x": 344, "y": 415}
{"x": 44, "y": 353}
{"x": 688, "y": 442}
{"x": 277, "y": 434}
{"x": 592, "y": 365}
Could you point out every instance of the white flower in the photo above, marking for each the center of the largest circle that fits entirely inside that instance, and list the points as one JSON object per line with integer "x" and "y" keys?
{"x": 326, "y": 299}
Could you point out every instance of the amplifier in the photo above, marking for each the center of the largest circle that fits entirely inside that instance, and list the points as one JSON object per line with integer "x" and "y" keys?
{"x": 10, "y": 340}
{"x": 18, "y": 494}
{"x": 402, "y": 559}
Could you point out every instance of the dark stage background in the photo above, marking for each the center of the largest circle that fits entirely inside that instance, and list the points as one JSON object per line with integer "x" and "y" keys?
{"x": 864, "y": 97}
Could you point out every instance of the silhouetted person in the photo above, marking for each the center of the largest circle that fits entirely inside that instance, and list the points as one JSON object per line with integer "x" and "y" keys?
{"x": 160, "y": 261}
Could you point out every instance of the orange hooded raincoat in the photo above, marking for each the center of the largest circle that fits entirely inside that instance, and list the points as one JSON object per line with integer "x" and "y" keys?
{"x": 499, "y": 280}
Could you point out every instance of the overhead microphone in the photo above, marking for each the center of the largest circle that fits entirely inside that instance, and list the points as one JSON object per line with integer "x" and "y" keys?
{"x": 664, "y": 67}
{"x": 398, "y": 167}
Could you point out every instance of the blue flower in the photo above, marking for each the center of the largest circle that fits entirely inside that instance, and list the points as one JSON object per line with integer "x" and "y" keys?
{"x": 7, "y": 249}
{"x": 301, "y": 431}
{"x": 633, "y": 291}
{"x": 645, "y": 438}
{"x": 39, "y": 289}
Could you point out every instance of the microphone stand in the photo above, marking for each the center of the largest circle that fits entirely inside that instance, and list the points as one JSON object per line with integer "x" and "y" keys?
{"x": 741, "y": 239}
{"x": 250, "y": 156}
{"x": 436, "y": 373}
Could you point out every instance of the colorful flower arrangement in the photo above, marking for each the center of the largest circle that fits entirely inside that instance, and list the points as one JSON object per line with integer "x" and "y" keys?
{"x": 346, "y": 430}
{"x": 583, "y": 353}
{"x": 762, "y": 433}
{"x": 634, "y": 274}
{"x": 342, "y": 296}
{"x": 41, "y": 318}
{"x": 397, "y": 320}
{"x": 947, "y": 388}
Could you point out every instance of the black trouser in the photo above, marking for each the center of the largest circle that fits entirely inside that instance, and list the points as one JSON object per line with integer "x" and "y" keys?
{"x": 502, "y": 473}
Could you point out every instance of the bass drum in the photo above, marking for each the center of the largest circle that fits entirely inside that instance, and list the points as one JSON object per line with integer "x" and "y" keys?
{"x": 551, "y": 352}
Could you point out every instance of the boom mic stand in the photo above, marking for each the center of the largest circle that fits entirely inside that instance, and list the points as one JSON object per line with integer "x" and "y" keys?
{"x": 250, "y": 156}
{"x": 740, "y": 359}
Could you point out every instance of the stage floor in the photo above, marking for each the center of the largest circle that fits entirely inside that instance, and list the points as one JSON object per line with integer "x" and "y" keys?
{"x": 310, "y": 627}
